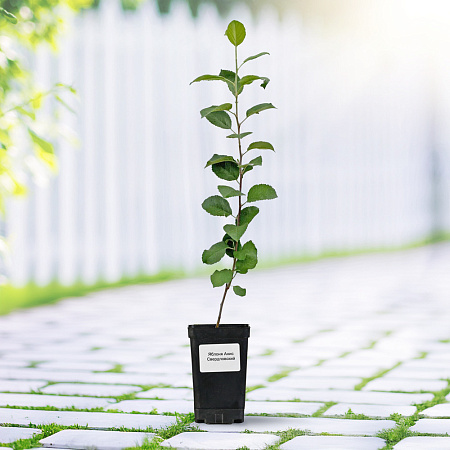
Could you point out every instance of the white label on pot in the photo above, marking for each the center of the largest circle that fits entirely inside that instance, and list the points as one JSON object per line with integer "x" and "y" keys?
{"x": 219, "y": 358}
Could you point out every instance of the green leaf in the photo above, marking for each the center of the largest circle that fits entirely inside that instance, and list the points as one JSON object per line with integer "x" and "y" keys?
{"x": 217, "y": 206}
{"x": 8, "y": 16}
{"x": 249, "y": 79}
{"x": 247, "y": 257}
{"x": 239, "y": 291}
{"x": 60, "y": 100}
{"x": 44, "y": 145}
{"x": 218, "y": 159}
{"x": 215, "y": 253}
{"x": 248, "y": 250}
{"x": 235, "y": 231}
{"x": 256, "y": 162}
{"x": 250, "y": 58}
{"x": 66, "y": 86}
{"x": 231, "y": 77}
{"x": 247, "y": 214}
{"x": 246, "y": 168}
{"x": 265, "y": 82}
{"x": 227, "y": 170}
{"x": 221, "y": 277}
{"x": 24, "y": 112}
{"x": 258, "y": 108}
{"x": 240, "y": 135}
{"x": 227, "y": 192}
{"x": 231, "y": 245}
{"x": 261, "y": 192}
{"x": 260, "y": 145}
{"x": 230, "y": 83}
{"x": 211, "y": 78}
{"x": 225, "y": 107}
{"x": 235, "y": 32}
{"x": 220, "y": 119}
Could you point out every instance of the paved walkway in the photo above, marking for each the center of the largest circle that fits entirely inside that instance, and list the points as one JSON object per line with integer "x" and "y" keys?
{"x": 350, "y": 353}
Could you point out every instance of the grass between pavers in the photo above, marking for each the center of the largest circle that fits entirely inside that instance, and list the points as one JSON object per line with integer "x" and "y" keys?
{"x": 183, "y": 424}
{"x": 378, "y": 374}
{"x": 118, "y": 368}
{"x": 97, "y": 410}
{"x": 402, "y": 430}
{"x": 282, "y": 374}
{"x": 34, "y": 295}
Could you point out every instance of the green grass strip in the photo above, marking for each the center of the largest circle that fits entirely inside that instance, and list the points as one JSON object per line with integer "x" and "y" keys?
{"x": 33, "y": 295}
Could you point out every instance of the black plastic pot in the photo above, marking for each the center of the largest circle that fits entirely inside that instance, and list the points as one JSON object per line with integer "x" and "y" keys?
{"x": 219, "y": 371}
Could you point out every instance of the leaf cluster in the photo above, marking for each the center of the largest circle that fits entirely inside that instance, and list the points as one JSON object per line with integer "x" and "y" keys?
{"x": 27, "y": 24}
{"x": 233, "y": 200}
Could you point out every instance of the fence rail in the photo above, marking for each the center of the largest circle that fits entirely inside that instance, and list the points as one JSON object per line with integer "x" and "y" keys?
{"x": 352, "y": 167}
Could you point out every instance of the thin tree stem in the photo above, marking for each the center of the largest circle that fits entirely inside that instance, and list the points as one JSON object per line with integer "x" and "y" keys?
{"x": 238, "y": 217}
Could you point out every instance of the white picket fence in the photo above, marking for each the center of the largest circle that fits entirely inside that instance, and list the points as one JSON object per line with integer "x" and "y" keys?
{"x": 351, "y": 168}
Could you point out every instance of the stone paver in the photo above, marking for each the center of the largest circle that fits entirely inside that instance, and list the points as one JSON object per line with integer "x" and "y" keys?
{"x": 322, "y": 327}
{"x": 11, "y": 434}
{"x": 405, "y": 385}
{"x": 89, "y": 366}
{"x": 88, "y": 377}
{"x": 315, "y": 425}
{"x": 20, "y": 386}
{"x": 442, "y": 410}
{"x": 161, "y": 406}
{"x": 53, "y": 400}
{"x": 302, "y": 408}
{"x": 381, "y": 398}
{"x": 96, "y": 390}
{"x": 432, "y": 426}
{"x": 370, "y": 410}
{"x": 296, "y": 382}
{"x": 100, "y": 440}
{"x": 88, "y": 419}
{"x": 168, "y": 394}
{"x": 423, "y": 443}
{"x": 333, "y": 443}
{"x": 219, "y": 441}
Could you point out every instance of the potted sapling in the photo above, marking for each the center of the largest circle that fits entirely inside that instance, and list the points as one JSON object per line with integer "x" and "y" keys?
{"x": 219, "y": 351}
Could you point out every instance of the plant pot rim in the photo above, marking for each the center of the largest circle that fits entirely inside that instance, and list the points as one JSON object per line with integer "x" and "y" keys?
{"x": 227, "y": 330}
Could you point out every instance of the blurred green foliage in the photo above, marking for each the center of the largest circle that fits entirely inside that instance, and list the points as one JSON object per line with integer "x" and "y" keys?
{"x": 25, "y": 147}
{"x": 24, "y": 26}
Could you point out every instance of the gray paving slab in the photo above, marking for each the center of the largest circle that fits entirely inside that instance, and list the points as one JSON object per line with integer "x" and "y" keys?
{"x": 380, "y": 398}
{"x": 11, "y": 434}
{"x": 219, "y": 441}
{"x": 423, "y": 443}
{"x": 20, "y": 385}
{"x": 100, "y": 440}
{"x": 333, "y": 443}
{"x": 157, "y": 366}
{"x": 313, "y": 424}
{"x": 168, "y": 394}
{"x": 161, "y": 406}
{"x": 296, "y": 382}
{"x": 405, "y": 385}
{"x": 89, "y": 377}
{"x": 377, "y": 411}
{"x": 423, "y": 373}
{"x": 89, "y": 419}
{"x": 90, "y": 366}
{"x": 441, "y": 410}
{"x": 53, "y": 400}
{"x": 432, "y": 426}
{"x": 303, "y": 408}
{"x": 96, "y": 390}
{"x": 331, "y": 371}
